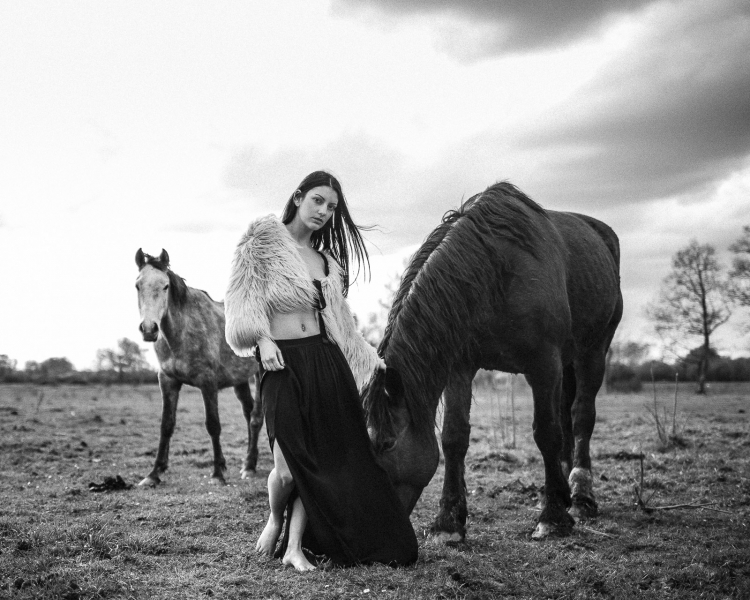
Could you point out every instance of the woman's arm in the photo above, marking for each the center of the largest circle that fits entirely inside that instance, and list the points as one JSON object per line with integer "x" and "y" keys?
{"x": 246, "y": 304}
{"x": 270, "y": 355}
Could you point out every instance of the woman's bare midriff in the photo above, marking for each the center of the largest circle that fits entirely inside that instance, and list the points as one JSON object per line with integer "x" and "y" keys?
{"x": 291, "y": 326}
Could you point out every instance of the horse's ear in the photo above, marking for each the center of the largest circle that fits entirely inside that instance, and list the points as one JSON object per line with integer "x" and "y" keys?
{"x": 164, "y": 257}
{"x": 394, "y": 387}
{"x": 140, "y": 260}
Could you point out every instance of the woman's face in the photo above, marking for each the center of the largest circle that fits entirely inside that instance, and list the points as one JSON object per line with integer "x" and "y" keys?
{"x": 317, "y": 206}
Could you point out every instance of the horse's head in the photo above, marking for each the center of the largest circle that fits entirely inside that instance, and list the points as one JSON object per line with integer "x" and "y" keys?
{"x": 152, "y": 284}
{"x": 408, "y": 454}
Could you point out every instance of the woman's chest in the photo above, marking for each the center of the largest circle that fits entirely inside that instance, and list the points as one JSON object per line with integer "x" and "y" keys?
{"x": 314, "y": 262}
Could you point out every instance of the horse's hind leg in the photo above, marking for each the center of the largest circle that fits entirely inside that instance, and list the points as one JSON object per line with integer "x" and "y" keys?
{"x": 450, "y": 523}
{"x": 170, "y": 393}
{"x": 589, "y": 374}
{"x": 213, "y": 426}
{"x": 568, "y": 397}
{"x": 590, "y": 369}
{"x": 546, "y": 385}
{"x": 252, "y": 409}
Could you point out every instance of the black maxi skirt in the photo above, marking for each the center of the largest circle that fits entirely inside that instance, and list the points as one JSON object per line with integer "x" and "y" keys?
{"x": 313, "y": 411}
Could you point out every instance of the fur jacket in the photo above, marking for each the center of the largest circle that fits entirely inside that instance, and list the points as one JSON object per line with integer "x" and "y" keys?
{"x": 269, "y": 276}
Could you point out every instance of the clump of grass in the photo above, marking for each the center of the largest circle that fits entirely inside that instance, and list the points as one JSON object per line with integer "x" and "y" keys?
{"x": 40, "y": 399}
{"x": 506, "y": 416}
{"x": 667, "y": 436}
{"x": 639, "y": 490}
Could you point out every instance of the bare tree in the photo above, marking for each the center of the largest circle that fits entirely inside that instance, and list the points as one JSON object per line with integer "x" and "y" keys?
{"x": 693, "y": 302}
{"x": 128, "y": 358}
{"x": 7, "y": 366}
{"x": 54, "y": 370}
{"x": 740, "y": 273}
{"x": 628, "y": 352}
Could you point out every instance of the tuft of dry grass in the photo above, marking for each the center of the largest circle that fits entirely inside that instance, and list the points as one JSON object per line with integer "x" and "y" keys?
{"x": 667, "y": 437}
{"x": 189, "y": 538}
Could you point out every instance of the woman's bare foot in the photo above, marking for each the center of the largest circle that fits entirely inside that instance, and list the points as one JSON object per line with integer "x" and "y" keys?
{"x": 267, "y": 540}
{"x": 298, "y": 560}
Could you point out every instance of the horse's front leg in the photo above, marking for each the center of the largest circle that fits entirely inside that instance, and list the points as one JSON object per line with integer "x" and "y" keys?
{"x": 546, "y": 385}
{"x": 170, "y": 393}
{"x": 253, "y": 411}
{"x": 450, "y": 523}
{"x": 213, "y": 426}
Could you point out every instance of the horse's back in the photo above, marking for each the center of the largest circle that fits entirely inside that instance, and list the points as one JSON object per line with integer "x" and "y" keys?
{"x": 565, "y": 283}
{"x": 230, "y": 369}
{"x": 587, "y": 224}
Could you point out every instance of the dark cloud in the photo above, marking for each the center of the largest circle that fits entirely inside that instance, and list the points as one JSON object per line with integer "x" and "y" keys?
{"x": 669, "y": 117}
{"x": 511, "y": 25}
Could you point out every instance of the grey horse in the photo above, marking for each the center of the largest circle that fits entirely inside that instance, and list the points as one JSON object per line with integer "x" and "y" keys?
{"x": 187, "y": 328}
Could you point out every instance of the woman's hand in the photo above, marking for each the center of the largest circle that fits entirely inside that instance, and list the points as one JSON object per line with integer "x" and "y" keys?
{"x": 270, "y": 355}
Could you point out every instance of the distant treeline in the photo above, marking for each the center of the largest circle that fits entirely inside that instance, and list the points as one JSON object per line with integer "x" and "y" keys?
{"x": 56, "y": 371}
{"x": 123, "y": 365}
{"x": 81, "y": 377}
{"x": 628, "y": 377}
{"x": 624, "y": 375}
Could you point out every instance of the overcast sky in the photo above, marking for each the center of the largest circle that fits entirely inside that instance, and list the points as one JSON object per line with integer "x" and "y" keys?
{"x": 173, "y": 124}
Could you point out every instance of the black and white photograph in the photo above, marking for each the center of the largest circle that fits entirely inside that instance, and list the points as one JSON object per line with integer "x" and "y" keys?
{"x": 389, "y": 299}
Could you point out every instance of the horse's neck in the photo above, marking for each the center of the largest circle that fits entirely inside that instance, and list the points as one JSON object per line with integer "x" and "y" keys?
{"x": 174, "y": 324}
{"x": 171, "y": 327}
{"x": 188, "y": 326}
{"x": 423, "y": 384}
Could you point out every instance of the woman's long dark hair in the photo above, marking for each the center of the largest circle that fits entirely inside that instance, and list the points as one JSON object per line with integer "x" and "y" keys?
{"x": 340, "y": 235}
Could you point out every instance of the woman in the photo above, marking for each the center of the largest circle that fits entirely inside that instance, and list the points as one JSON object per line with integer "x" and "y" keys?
{"x": 286, "y": 303}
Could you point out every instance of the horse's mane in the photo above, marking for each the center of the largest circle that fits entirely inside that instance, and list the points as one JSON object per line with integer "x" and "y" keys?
{"x": 456, "y": 273}
{"x": 178, "y": 289}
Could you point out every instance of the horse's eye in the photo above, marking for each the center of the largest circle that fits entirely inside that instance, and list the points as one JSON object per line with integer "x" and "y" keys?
{"x": 388, "y": 445}
{"x": 166, "y": 287}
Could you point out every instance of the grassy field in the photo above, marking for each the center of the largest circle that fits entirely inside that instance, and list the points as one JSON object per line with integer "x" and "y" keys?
{"x": 189, "y": 538}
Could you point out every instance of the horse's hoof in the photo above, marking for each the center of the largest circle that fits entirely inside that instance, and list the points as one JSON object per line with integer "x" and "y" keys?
{"x": 582, "y": 493}
{"x": 149, "y": 481}
{"x": 583, "y": 510}
{"x": 543, "y": 531}
{"x": 251, "y": 463}
{"x": 247, "y": 473}
{"x": 449, "y": 537}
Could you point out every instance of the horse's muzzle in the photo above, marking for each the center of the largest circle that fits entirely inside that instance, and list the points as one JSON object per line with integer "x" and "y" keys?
{"x": 409, "y": 495}
{"x": 149, "y": 332}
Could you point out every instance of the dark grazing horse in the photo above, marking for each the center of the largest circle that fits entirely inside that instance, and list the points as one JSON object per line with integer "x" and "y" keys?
{"x": 187, "y": 328}
{"x": 500, "y": 284}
